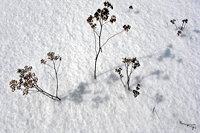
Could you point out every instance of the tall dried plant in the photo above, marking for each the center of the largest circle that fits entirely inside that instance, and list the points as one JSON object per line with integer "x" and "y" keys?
{"x": 97, "y": 21}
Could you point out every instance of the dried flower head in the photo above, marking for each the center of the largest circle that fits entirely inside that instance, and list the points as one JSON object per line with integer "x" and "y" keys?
{"x": 127, "y": 27}
{"x": 131, "y": 7}
{"x": 119, "y": 72}
{"x": 113, "y": 19}
{"x": 27, "y": 80}
{"x": 25, "y": 91}
{"x": 90, "y": 21}
{"x": 104, "y": 14}
{"x": 52, "y": 56}
{"x": 101, "y": 14}
{"x": 179, "y": 32}
{"x": 107, "y": 4}
{"x": 13, "y": 85}
{"x": 185, "y": 20}
{"x": 173, "y": 21}
{"x": 127, "y": 60}
{"x": 43, "y": 61}
{"x": 136, "y": 93}
{"x": 134, "y": 61}
{"x": 138, "y": 87}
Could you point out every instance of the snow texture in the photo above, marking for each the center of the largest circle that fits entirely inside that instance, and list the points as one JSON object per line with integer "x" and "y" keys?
{"x": 169, "y": 74}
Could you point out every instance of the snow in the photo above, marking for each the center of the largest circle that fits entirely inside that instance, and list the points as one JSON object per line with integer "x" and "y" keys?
{"x": 169, "y": 72}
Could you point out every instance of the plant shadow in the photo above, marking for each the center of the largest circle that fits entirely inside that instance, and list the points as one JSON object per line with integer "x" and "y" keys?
{"x": 99, "y": 100}
{"x": 157, "y": 73}
{"x": 76, "y": 95}
{"x": 162, "y": 55}
{"x": 159, "y": 98}
{"x": 166, "y": 54}
{"x": 112, "y": 78}
{"x": 196, "y": 31}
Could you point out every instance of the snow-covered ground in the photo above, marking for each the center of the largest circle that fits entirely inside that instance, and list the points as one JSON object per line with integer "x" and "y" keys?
{"x": 169, "y": 73}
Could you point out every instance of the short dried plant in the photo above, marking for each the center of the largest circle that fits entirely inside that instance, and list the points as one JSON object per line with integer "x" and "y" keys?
{"x": 130, "y": 65}
{"x": 192, "y": 126}
{"x": 28, "y": 80}
{"x": 55, "y": 65}
{"x": 97, "y": 21}
{"x": 181, "y": 28}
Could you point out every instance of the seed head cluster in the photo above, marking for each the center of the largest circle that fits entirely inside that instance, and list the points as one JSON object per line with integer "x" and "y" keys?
{"x": 130, "y": 65}
{"x": 51, "y": 56}
{"x": 127, "y": 27}
{"x": 135, "y": 63}
{"x": 27, "y": 80}
{"x": 181, "y": 28}
{"x": 101, "y": 15}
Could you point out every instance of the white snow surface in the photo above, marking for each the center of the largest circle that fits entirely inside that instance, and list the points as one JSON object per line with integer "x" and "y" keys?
{"x": 169, "y": 73}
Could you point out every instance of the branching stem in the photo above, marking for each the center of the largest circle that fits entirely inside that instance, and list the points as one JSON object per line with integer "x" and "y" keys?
{"x": 193, "y": 126}
{"x": 47, "y": 94}
{"x": 112, "y": 37}
{"x": 56, "y": 74}
{"x": 99, "y": 50}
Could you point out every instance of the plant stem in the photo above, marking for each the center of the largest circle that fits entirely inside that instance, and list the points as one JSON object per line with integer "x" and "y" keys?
{"x": 95, "y": 41}
{"x": 54, "y": 66}
{"x": 47, "y": 94}
{"x": 99, "y": 50}
{"x": 182, "y": 26}
{"x": 193, "y": 126}
{"x": 111, "y": 37}
{"x": 175, "y": 25}
{"x": 123, "y": 83}
{"x": 127, "y": 74}
{"x": 95, "y": 66}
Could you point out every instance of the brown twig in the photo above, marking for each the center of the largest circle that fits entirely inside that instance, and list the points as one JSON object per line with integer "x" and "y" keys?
{"x": 193, "y": 126}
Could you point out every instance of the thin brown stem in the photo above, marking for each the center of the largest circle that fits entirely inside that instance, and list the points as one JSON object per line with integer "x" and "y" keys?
{"x": 193, "y": 126}
{"x": 176, "y": 26}
{"x": 182, "y": 26}
{"x": 49, "y": 65}
{"x": 99, "y": 50}
{"x": 106, "y": 22}
{"x": 127, "y": 75}
{"x": 56, "y": 74}
{"x": 123, "y": 83}
{"x": 111, "y": 37}
{"x": 58, "y": 66}
{"x": 95, "y": 41}
{"x": 47, "y": 94}
{"x": 54, "y": 65}
{"x": 100, "y": 33}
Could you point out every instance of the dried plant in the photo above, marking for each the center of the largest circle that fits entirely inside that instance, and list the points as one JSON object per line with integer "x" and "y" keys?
{"x": 28, "y": 82}
{"x": 193, "y": 126}
{"x": 56, "y": 60}
{"x": 130, "y": 65}
{"x": 130, "y": 7}
{"x": 179, "y": 29}
{"x": 97, "y": 21}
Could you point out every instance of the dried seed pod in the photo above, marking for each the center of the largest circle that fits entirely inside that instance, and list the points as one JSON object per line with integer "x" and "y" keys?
{"x": 131, "y": 7}
{"x": 113, "y": 19}
{"x": 179, "y": 32}
{"x": 173, "y": 21}
{"x": 43, "y": 61}
{"x": 185, "y": 20}
{"x": 136, "y": 93}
